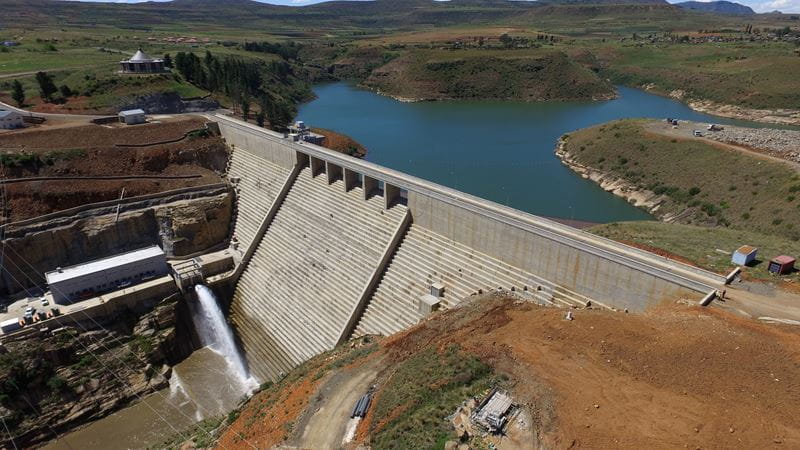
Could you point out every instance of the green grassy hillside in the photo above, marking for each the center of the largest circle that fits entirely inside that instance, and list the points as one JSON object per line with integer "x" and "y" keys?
{"x": 710, "y": 185}
{"x": 710, "y": 248}
{"x": 751, "y": 75}
{"x": 531, "y": 75}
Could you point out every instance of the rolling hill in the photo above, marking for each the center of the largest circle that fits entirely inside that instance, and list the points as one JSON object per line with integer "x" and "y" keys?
{"x": 717, "y": 7}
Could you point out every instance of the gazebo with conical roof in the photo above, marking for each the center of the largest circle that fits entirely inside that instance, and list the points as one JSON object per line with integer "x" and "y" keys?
{"x": 141, "y": 63}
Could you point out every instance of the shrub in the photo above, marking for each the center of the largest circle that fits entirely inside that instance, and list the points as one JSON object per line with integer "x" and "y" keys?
{"x": 57, "y": 383}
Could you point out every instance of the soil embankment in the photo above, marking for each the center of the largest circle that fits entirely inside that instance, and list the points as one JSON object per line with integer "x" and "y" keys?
{"x": 677, "y": 376}
{"x": 341, "y": 143}
{"x": 92, "y": 151}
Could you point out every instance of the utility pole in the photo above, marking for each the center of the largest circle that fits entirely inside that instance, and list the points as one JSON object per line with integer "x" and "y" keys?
{"x": 119, "y": 204}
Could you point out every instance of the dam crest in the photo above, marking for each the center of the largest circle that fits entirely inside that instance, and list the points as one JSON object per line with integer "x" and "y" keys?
{"x": 330, "y": 247}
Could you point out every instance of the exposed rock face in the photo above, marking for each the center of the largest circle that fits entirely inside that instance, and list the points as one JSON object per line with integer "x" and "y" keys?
{"x": 169, "y": 103}
{"x": 641, "y": 198}
{"x": 82, "y": 373}
{"x": 180, "y": 228}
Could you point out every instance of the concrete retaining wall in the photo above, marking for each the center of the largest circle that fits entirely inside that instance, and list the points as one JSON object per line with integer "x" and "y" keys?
{"x": 606, "y": 271}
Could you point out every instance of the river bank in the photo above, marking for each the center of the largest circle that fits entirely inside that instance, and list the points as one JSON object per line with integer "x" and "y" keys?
{"x": 685, "y": 179}
{"x": 62, "y": 380}
{"x": 630, "y": 192}
{"x": 771, "y": 116}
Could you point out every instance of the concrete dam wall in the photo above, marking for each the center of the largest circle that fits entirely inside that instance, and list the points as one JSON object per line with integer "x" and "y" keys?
{"x": 332, "y": 247}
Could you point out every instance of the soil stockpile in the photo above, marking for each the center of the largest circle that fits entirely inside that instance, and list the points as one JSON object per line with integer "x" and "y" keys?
{"x": 678, "y": 376}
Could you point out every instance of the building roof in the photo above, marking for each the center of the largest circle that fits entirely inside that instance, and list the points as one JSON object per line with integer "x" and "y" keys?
{"x": 9, "y": 322}
{"x": 746, "y": 249}
{"x": 141, "y": 57}
{"x": 131, "y": 112}
{"x": 783, "y": 259}
{"x": 100, "y": 265}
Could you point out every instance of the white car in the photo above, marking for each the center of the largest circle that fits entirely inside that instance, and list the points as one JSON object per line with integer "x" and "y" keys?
{"x": 45, "y": 302}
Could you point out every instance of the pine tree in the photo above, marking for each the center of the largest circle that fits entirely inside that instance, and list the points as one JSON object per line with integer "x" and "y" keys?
{"x": 18, "y": 93}
{"x": 245, "y": 108}
{"x": 167, "y": 61}
{"x": 46, "y": 86}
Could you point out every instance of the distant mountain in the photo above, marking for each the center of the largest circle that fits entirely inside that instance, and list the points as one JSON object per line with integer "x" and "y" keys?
{"x": 604, "y": 2}
{"x": 719, "y": 7}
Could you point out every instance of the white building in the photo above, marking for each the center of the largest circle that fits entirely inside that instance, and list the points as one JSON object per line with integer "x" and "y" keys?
{"x": 301, "y": 132}
{"x": 132, "y": 117}
{"x": 10, "y": 120}
{"x": 82, "y": 281}
{"x": 142, "y": 63}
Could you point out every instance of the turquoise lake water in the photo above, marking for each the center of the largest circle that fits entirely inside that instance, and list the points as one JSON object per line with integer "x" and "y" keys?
{"x": 501, "y": 151}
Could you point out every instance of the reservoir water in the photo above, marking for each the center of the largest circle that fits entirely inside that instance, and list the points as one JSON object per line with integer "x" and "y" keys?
{"x": 501, "y": 151}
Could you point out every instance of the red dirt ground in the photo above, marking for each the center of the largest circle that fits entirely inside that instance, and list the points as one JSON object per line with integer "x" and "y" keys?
{"x": 90, "y": 151}
{"x": 673, "y": 377}
{"x": 676, "y": 376}
{"x": 266, "y": 420}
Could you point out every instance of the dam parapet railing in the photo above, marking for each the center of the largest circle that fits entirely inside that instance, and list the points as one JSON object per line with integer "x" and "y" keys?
{"x": 610, "y": 272}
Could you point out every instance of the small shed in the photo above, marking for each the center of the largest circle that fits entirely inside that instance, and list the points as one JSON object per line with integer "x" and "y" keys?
{"x": 132, "y": 116}
{"x": 781, "y": 265}
{"x": 745, "y": 255}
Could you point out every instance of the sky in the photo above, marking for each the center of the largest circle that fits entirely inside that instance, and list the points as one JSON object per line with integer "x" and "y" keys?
{"x": 758, "y": 5}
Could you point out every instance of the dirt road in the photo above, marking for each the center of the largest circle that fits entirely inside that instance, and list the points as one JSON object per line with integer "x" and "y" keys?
{"x": 330, "y": 412}
{"x": 685, "y": 131}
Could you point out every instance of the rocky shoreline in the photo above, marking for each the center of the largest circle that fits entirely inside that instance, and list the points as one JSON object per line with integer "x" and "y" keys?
{"x": 402, "y": 99}
{"x": 641, "y": 198}
{"x": 776, "y": 116}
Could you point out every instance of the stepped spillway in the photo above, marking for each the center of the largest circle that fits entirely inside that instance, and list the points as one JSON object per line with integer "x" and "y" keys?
{"x": 424, "y": 258}
{"x": 320, "y": 263}
{"x": 302, "y": 284}
{"x": 259, "y": 184}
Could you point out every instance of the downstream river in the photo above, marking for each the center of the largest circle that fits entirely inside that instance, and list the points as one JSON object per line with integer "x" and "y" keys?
{"x": 501, "y": 151}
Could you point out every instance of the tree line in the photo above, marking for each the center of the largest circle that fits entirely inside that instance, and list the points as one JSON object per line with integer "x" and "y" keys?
{"x": 47, "y": 90}
{"x": 244, "y": 82}
{"x": 286, "y": 51}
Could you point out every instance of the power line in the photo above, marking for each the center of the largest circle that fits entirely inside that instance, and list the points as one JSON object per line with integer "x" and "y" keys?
{"x": 76, "y": 339}
{"x": 10, "y": 436}
{"x": 113, "y": 373}
{"x": 100, "y": 343}
{"x": 122, "y": 362}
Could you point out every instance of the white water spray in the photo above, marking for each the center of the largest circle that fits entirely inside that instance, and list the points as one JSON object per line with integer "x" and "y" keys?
{"x": 215, "y": 333}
